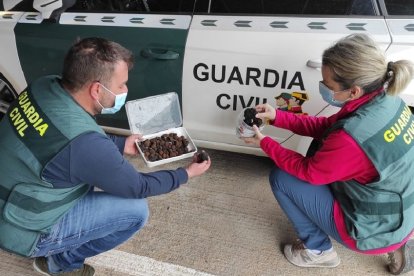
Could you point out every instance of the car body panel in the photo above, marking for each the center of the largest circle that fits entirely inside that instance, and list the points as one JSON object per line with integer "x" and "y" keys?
{"x": 157, "y": 42}
{"x": 10, "y": 65}
{"x": 402, "y": 33}
{"x": 233, "y": 62}
{"x": 217, "y": 61}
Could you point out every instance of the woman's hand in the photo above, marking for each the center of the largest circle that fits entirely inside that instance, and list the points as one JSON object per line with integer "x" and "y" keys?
{"x": 255, "y": 140}
{"x": 130, "y": 147}
{"x": 265, "y": 112}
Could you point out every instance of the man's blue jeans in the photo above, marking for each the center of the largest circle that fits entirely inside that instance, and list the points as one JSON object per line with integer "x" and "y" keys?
{"x": 309, "y": 208}
{"x": 97, "y": 223}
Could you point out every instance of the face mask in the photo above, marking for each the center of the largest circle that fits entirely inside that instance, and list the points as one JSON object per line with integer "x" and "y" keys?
{"x": 119, "y": 102}
{"x": 328, "y": 95}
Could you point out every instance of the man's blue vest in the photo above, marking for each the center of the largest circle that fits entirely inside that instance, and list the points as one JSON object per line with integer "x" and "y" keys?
{"x": 380, "y": 213}
{"x": 38, "y": 125}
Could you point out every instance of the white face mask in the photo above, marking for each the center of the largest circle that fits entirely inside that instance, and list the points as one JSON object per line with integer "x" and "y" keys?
{"x": 119, "y": 102}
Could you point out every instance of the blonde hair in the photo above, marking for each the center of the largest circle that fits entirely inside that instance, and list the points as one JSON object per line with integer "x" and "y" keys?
{"x": 357, "y": 60}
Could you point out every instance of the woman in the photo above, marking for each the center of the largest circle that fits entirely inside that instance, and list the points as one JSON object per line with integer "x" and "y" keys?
{"x": 358, "y": 187}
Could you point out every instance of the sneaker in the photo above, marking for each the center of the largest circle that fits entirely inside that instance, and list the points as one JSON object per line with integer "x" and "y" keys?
{"x": 40, "y": 265}
{"x": 402, "y": 259}
{"x": 299, "y": 255}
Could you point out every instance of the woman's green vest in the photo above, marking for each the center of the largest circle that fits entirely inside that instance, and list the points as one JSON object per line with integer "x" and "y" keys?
{"x": 38, "y": 125}
{"x": 380, "y": 213}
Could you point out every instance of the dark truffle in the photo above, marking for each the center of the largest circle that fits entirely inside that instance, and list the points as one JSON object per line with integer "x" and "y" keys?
{"x": 166, "y": 146}
{"x": 250, "y": 117}
{"x": 202, "y": 156}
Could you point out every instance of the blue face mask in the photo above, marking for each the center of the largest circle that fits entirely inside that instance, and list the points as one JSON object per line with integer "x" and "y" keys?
{"x": 119, "y": 102}
{"x": 328, "y": 95}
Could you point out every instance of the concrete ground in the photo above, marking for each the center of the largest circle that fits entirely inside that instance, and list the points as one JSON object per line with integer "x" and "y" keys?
{"x": 225, "y": 222}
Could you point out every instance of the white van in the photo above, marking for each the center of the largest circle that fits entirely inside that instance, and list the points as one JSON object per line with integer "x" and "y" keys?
{"x": 220, "y": 56}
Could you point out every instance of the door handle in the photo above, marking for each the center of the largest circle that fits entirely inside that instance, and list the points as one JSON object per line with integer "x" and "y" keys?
{"x": 159, "y": 54}
{"x": 317, "y": 64}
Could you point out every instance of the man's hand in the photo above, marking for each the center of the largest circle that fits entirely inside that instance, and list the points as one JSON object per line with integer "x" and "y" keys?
{"x": 255, "y": 140}
{"x": 265, "y": 112}
{"x": 196, "y": 169}
{"x": 130, "y": 146}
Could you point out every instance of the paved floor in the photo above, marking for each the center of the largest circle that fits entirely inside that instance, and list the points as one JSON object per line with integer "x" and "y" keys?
{"x": 223, "y": 223}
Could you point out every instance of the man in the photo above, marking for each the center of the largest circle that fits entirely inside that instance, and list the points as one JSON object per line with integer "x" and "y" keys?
{"x": 52, "y": 154}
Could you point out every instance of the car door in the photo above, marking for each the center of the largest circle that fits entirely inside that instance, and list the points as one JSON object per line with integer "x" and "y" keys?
{"x": 156, "y": 33}
{"x": 240, "y": 53}
{"x": 400, "y": 20}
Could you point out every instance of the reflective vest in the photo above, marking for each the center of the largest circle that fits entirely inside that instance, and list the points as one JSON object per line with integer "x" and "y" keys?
{"x": 380, "y": 213}
{"x": 38, "y": 125}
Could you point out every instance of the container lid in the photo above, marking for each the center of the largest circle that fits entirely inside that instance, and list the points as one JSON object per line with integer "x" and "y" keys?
{"x": 153, "y": 114}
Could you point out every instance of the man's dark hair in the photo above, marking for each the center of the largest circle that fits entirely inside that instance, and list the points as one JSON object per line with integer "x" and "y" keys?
{"x": 93, "y": 59}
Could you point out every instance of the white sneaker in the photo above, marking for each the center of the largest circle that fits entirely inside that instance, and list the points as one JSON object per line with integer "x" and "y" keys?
{"x": 299, "y": 255}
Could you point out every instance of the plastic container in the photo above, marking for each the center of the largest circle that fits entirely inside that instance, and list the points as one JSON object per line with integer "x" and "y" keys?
{"x": 157, "y": 115}
{"x": 243, "y": 130}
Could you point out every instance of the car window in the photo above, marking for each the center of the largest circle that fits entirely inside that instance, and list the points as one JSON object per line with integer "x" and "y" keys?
{"x": 141, "y": 6}
{"x": 400, "y": 7}
{"x": 308, "y": 7}
{"x": 25, "y": 5}
{"x": 175, "y": 6}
